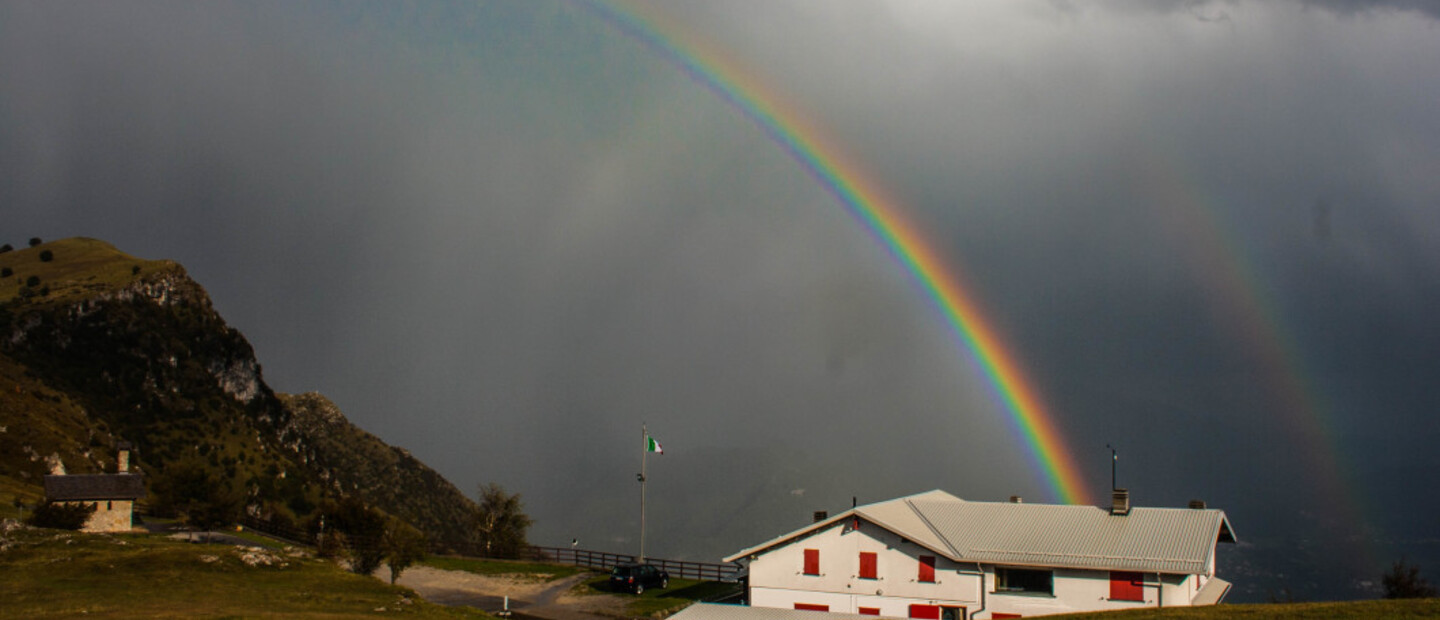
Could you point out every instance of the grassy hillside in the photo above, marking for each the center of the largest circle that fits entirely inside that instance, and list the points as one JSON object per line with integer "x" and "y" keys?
{"x": 78, "y": 268}
{"x": 38, "y": 421}
{"x": 107, "y": 347}
{"x": 52, "y": 574}
{"x": 97, "y": 346}
{"x": 1358, "y": 610}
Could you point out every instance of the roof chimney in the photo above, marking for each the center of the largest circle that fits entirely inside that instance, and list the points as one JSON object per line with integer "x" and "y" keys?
{"x": 1197, "y": 504}
{"x": 821, "y": 515}
{"x": 57, "y": 467}
{"x": 1016, "y": 499}
{"x": 1120, "y": 502}
{"x": 122, "y": 457}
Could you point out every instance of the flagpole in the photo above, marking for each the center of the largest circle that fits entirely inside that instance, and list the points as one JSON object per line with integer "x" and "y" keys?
{"x": 644, "y": 450}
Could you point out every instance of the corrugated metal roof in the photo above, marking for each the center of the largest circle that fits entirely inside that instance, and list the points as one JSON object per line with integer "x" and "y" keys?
{"x": 891, "y": 515}
{"x": 1169, "y": 540}
{"x": 92, "y": 487}
{"x": 713, "y": 611}
{"x": 900, "y": 516}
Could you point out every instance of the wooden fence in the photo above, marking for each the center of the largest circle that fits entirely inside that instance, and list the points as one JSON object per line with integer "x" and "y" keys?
{"x": 680, "y": 569}
{"x": 292, "y": 535}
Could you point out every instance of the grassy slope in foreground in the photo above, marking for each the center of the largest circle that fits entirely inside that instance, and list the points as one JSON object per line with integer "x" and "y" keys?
{"x": 657, "y": 603}
{"x": 1411, "y": 608}
{"x": 54, "y": 574}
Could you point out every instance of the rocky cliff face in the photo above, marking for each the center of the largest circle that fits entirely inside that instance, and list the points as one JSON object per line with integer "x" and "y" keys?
{"x": 117, "y": 348}
{"x": 354, "y": 461}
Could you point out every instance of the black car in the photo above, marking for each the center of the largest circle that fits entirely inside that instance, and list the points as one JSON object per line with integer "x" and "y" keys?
{"x": 636, "y": 577}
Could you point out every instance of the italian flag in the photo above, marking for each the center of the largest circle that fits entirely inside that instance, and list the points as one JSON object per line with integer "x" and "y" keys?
{"x": 651, "y": 445}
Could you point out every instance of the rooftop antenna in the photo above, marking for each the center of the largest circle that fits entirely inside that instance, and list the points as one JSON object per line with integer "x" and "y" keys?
{"x": 1114, "y": 458}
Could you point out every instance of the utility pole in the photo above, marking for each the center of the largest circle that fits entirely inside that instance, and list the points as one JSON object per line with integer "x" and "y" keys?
{"x": 644, "y": 450}
{"x": 1114, "y": 458}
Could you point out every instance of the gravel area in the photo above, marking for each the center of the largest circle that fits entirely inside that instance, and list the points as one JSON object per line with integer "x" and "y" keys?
{"x": 552, "y": 600}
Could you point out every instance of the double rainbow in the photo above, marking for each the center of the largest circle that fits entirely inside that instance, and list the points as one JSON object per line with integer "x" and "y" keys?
{"x": 879, "y": 215}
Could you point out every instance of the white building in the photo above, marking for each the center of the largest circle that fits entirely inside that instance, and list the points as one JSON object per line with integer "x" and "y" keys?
{"x": 935, "y": 556}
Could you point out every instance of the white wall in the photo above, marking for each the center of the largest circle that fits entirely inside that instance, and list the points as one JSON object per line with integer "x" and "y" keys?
{"x": 777, "y": 580}
{"x": 1089, "y": 590}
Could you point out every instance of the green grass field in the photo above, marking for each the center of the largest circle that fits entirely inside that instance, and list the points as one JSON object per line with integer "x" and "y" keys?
{"x": 11, "y": 490}
{"x": 1413, "y": 608}
{"x": 54, "y": 574}
{"x": 655, "y": 603}
{"x": 524, "y": 570}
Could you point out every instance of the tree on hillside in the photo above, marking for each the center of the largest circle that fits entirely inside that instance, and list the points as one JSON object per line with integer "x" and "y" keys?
{"x": 34, "y": 241}
{"x": 1403, "y": 580}
{"x": 404, "y": 546}
{"x": 200, "y": 496}
{"x": 500, "y": 522}
{"x": 363, "y": 529}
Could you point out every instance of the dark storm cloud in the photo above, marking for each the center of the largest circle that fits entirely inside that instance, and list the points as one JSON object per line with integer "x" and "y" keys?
{"x": 1352, "y": 7}
{"x": 1066, "y": 165}
{"x": 502, "y": 235}
{"x": 1214, "y": 10}
{"x": 503, "y": 260}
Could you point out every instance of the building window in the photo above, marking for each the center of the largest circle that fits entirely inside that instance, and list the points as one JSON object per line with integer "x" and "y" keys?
{"x": 868, "y": 611}
{"x": 925, "y": 612}
{"x": 812, "y": 562}
{"x": 927, "y": 569}
{"x": 867, "y": 565}
{"x": 811, "y": 607}
{"x": 108, "y": 505}
{"x": 1026, "y": 580}
{"x": 1127, "y": 586}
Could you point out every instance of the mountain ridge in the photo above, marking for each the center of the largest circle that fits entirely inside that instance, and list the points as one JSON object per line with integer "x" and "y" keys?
{"x": 100, "y": 346}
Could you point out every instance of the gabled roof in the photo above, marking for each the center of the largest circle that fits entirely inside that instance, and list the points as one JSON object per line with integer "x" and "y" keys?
{"x": 1168, "y": 540}
{"x": 93, "y": 487}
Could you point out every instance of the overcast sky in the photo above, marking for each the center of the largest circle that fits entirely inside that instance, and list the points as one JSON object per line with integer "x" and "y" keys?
{"x": 502, "y": 235}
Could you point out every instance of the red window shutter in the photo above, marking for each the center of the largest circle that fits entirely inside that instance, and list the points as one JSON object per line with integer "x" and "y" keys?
{"x": 811, "y": 607}
{"x": 868, "y": 611}
{"x": 1127, "y": 586}
{"x": 925, "y": 612}
{"x": 812, "y": 561}
{"x": 927, "y": 569}
{"x": 867, "y": 565}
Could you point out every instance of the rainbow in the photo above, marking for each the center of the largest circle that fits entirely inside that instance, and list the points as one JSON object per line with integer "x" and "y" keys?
{"x": 1211, "y": 242}
{"x": 880, "y": 216}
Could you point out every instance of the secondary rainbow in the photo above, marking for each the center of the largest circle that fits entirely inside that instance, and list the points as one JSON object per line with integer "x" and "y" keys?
{"x": 942, "y": 283}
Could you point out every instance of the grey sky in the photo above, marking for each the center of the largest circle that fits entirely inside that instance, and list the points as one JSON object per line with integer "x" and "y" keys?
{"x": 503, "y": 234}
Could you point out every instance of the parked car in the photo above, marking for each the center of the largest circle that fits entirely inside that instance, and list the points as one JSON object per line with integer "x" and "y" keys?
{"x": 636, "y": 577}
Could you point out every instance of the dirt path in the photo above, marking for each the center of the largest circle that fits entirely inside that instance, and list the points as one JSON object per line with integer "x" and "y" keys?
{"x": 552, "y": 600}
